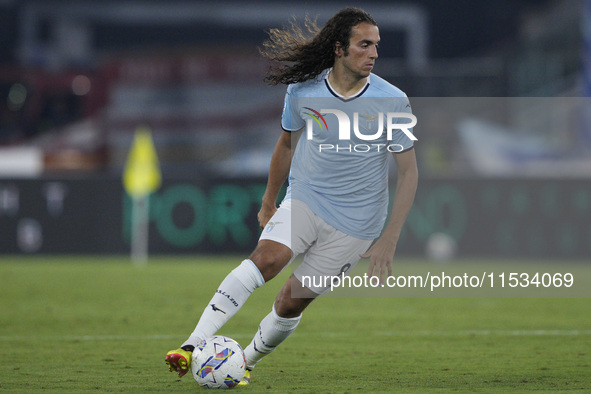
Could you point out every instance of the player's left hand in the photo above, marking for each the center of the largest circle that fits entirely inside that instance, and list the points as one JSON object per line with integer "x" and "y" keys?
{"x": 380, "y": 255}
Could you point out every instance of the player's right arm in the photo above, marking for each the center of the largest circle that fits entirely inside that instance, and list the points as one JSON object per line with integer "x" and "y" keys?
{"x": 278, "y": 173}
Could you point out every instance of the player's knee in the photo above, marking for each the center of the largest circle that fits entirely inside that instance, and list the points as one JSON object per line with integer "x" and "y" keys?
{"x": 270, "y": 259}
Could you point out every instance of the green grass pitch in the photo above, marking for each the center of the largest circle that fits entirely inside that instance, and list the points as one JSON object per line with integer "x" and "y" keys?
{"x": 90, "y": 324}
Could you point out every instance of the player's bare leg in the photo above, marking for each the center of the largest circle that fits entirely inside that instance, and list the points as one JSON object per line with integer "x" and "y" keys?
{"x": 270, "y": 257}
{"x": 293, "y": 298}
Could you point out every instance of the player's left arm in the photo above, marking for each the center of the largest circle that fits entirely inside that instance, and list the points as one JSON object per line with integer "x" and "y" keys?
{"x": 381, "y": 253}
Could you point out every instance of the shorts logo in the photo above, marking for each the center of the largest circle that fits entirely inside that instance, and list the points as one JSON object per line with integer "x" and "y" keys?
{"x": 271, "y": 226}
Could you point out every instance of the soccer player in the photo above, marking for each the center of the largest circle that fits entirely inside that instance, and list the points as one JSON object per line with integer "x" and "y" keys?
{"x": 336, "y": 205}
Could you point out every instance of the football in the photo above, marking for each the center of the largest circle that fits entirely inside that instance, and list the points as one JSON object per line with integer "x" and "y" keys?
{"x": 218, "y": 363}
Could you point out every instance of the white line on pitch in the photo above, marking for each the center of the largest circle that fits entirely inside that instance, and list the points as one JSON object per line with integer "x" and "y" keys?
{"x": 423, "y": 333}
{"x": 452, "y": 333}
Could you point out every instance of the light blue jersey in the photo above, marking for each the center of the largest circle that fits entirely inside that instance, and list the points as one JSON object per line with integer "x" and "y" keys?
{"x": 340, "y": 165}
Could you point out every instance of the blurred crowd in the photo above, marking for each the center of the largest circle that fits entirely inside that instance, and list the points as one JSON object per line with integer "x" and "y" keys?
{"x": 80, "y": 77}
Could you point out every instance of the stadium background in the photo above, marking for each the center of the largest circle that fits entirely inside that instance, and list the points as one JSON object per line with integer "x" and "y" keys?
{"x": 78, "y": 77}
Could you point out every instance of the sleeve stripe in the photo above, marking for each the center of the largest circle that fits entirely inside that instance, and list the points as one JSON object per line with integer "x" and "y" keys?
{"x": 288, "y": 130}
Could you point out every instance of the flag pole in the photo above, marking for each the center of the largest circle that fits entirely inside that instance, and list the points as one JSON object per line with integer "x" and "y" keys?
{"x": 140, "y": 230}
{"x": 141, "y": 177}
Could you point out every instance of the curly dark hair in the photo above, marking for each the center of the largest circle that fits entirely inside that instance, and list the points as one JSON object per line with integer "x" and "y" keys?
{"x": 299, "y": 55}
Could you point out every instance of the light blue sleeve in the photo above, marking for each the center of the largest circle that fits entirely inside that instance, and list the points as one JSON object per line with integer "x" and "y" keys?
{"x": 290, "y": 119}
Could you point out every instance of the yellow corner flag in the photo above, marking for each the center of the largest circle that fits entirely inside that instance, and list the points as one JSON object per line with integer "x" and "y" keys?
{"x": 142, "y": 172}
{"x": 141, "y": 177}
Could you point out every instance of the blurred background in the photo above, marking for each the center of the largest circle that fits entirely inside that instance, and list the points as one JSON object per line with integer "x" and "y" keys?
{"x": 500, "y": 89}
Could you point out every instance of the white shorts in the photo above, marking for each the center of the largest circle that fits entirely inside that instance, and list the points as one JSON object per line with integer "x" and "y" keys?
{"x": 327, "y": 251}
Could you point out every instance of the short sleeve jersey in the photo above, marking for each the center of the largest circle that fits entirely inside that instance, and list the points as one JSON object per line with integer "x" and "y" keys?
{"x": 340, "y": 164}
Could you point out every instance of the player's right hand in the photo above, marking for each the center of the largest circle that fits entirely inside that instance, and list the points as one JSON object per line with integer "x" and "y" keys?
{"x": 265, "y": 214}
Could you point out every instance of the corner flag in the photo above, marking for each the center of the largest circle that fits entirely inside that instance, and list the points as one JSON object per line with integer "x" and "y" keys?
{"x": 142, "y": 171}
{"x": 140, "y": 178}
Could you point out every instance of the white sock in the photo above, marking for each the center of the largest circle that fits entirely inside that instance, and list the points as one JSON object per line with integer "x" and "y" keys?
{"x": 227, "y": 300}
{"x": 272, "y": 331}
